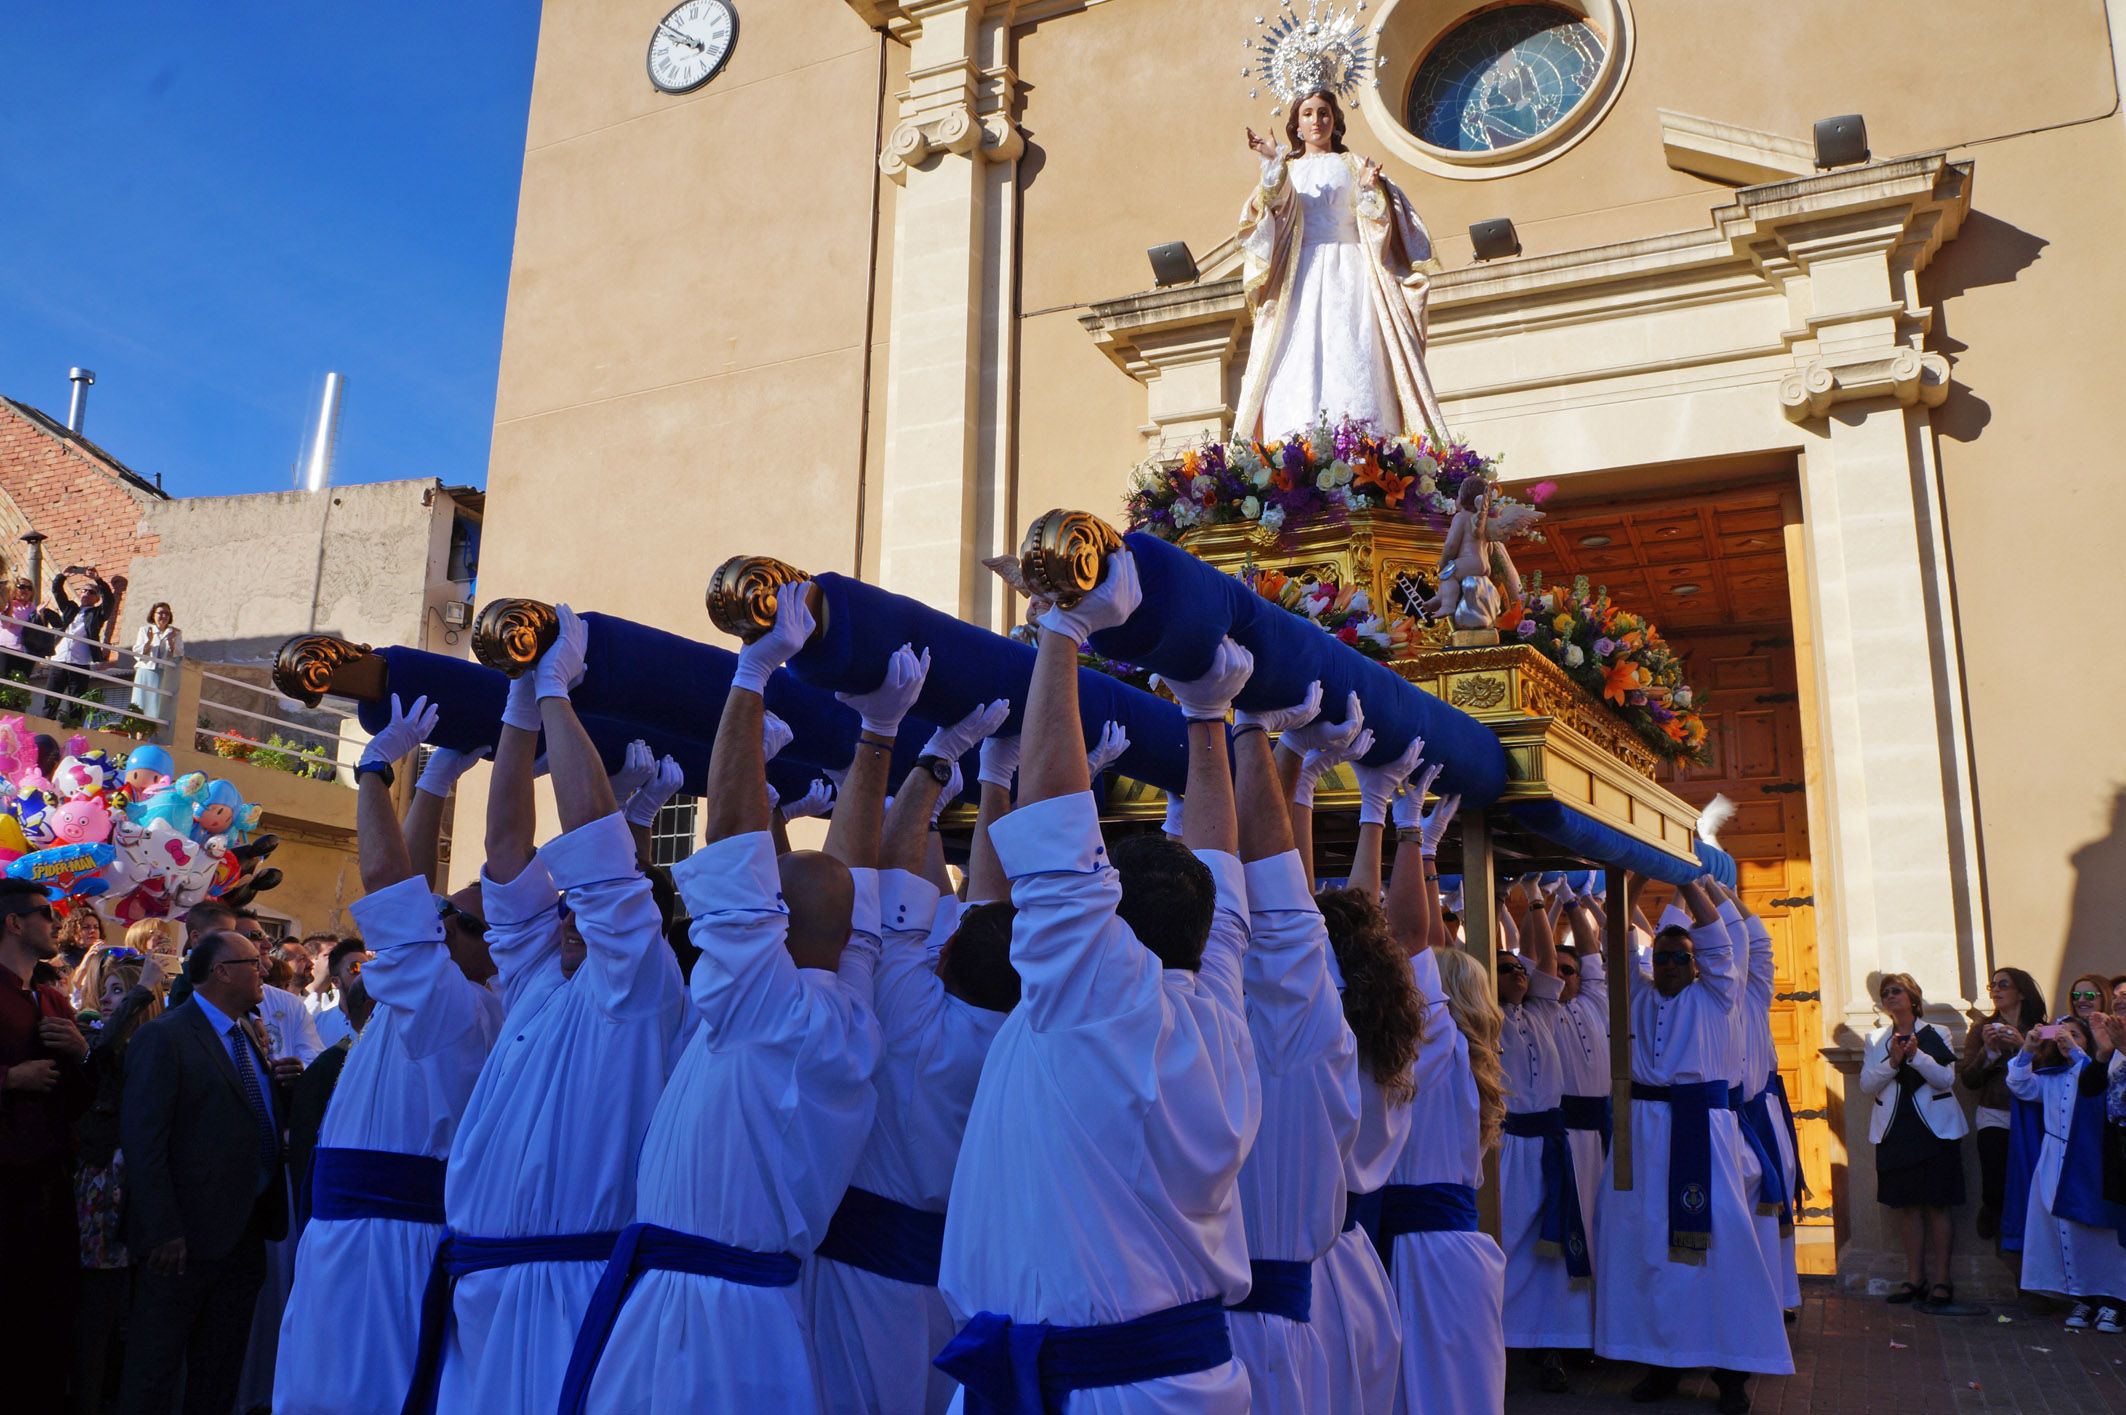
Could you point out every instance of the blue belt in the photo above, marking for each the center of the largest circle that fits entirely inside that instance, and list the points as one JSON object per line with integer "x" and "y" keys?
{"x": 644, "y": 1247}
{"x": 1422, "y": 1208}
{"x": 1776, "y": 1084}
{"x": 1589, "y": 1113}
{"x": 459, "y": 1254}
{"x": 1030, "y": 1368}
{"x": 1563, "y": 1233}
{"x": 1755, "y": 1118}
{"x": 883, "y": 1236}
{"x": 1283, "y": 1288}
{"x": 1362, "y": 1211}
{"x": 1690, "y": 1162}
{"x": 350, "y": 1184}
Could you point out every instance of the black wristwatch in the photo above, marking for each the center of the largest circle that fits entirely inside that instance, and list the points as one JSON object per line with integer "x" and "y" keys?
{"x": 940, "y": 768}
{"x": 382, "y": 769}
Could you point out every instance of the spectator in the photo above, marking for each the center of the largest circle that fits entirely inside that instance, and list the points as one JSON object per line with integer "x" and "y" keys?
{"x": 80, "y": 935}
{"x": 162, "y": 942}
{"x": 105, "y": 978}
{"x": 80, "y": 646}
{"x": 99, "y": 1186}
{"x": 289, "y": 1030}
{"x": 302, "y": 968}
{"x": 2017, "y": 1007}
{"x": 205, "y": 1181}
{"x": 205, "y": 917}
{"x": 46, "y": 1086}
{"x": 319, "y": 995}
{"x": 1916, "y": 1129}
{"x": 2070, "y": 1238}
{"x": 156, "y": 649}
{"x": 2087, "y": 996}
{"x": 18, "y": 616}
{"x": 344, "y": 1018}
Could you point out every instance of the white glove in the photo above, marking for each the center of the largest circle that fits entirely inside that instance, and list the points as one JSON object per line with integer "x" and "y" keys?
{"x": 949, "y": 794}
{"x": 884, "y": 706}
{"x": 1112, "y": 744}
{"x": 1315, "y": 765}
{"x": 1212, "y": 695}
{"x": 817, "y": 801}
{"x": 649, "y": 798}
{"x": 1433, "y": 829}
{"x": 1377, "y": 785}
{"x": 1173, "y": 815}
{"x": 1410, "y": 806}
{"x": 408, "y": 728}
{"x": 1317, "y": 734}
{"x": 637, "y": 766}
{"x": 1284, "y": 719}
{"x": 521, "y": 709}
{"x": 793, "y": 627}
{"x": 561, "y": 666}
{"x": 775, "y": 734}
{"x": 958, "y": 740}
{"x": 1000, "y": 761}
{"x": 445, "y": 766}
{"x": 1112, "y": 602}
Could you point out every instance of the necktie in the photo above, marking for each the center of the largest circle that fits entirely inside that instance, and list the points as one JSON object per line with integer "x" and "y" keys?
{"x": 268, "y": 1139}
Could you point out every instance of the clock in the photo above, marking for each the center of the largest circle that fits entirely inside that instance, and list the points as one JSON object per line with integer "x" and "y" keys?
{"x": 691, "y": 45}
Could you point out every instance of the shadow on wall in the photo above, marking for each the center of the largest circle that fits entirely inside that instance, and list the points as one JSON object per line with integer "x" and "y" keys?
{"x": 2096, "y": 943}
{"x": 1986, "y": 251}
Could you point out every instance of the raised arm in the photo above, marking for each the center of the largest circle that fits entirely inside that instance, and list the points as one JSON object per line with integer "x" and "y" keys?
{"x": 738, "y": 764}
{"x": 1715, "y": 950}
{"x": 582, "y": 791}
{"x": 512, "y": 815}
{"x": 381, "y": 847}
{"x": 1210, "y": 825}
{"x": 1378, "y": 786}
{"x": 423, "y": 826}
{"x": 1413, "y": 906}
{"x": 853, "y": 834}
{"x": 985, "y": 876}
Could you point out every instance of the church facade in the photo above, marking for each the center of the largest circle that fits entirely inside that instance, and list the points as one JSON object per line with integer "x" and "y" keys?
{"x": 874, "y": 294}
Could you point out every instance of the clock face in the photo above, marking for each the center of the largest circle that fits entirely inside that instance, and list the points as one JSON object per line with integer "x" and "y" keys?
{"x": 691, "y": 45}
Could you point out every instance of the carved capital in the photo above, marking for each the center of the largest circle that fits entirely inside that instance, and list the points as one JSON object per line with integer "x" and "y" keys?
{"x": 1907, "y": 375}
{"x": 953, "y": 130}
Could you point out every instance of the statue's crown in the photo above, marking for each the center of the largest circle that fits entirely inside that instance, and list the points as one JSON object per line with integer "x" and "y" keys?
{"x": 1328, "y": 48}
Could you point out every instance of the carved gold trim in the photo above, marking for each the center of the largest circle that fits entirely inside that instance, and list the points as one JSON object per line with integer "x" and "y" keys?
{"x": 1065, "y": 553}
{"x": 743, "y": 594}
{"x": 511, "y": 634}
{"x": 1477, "y": 692}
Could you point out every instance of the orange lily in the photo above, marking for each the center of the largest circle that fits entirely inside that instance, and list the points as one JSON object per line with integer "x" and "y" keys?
{"x": 1623, "y": 677}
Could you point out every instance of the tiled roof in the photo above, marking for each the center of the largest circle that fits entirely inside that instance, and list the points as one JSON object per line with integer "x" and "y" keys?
{"x": 53, "y": 428}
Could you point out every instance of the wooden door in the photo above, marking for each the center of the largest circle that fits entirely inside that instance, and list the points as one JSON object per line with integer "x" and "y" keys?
{"x": 1752, "y": 706}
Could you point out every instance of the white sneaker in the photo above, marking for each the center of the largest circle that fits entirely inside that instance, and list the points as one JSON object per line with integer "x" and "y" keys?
{"x": 2078, "y": 1319}
{"x": 2108, "y": 1320}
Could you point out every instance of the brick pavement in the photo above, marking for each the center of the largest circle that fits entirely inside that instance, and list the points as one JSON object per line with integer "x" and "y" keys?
{"x": 1856, "y": 1355}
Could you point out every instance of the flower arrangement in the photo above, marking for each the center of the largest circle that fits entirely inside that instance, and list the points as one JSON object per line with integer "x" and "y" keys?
{"x": 1312, "y": 477}
{"x": 1615, "y": 654}
{"x": 1344, "y": 611}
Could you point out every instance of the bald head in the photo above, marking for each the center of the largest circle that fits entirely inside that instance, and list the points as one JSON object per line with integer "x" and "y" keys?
{"x": 821, "y": 896}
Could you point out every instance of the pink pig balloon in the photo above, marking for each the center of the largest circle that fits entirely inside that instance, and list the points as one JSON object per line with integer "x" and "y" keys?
{"x": 82, "y": 820}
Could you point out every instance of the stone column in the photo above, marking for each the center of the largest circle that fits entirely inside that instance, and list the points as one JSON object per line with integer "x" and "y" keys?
{"x": 944, "y": 481}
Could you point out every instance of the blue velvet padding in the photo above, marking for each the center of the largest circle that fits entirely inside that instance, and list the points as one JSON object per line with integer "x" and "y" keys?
{"x": 1189, "y": 605}
{"x": 1602, "y": 844}
{"x": 971, "y": 665}
{"x": 468, "y": 697}
{"x": 1718, "y": 863}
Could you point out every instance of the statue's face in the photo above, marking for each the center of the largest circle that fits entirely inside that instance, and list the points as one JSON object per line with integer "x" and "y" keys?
{"x": 1317, "y": 123}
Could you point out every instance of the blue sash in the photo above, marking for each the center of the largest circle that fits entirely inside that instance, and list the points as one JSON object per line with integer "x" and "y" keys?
{"x": 1690, "y": 1162}
{"x": 1589, "y": 1113}
{"x": 1776, "y": 1084}
{"x": 1030, "y": 1368}
{"x": 350, "y": 1184}
{"x": 1563, "y": 1233}
{"x": 1283, "y": 1288}
{"x": 459, "y": 1254}
{"x": 2026, "y": 1137}
{"x": 644, "y": 1247}
{"x": 1754, "y": 1116}
{"x": 885, "y": 1237}
{"x": 1363, "y": 1211}
{"x": 1422, "y": 1208}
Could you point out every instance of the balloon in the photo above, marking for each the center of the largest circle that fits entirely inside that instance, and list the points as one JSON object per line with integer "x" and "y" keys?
{"x": 221, "y": 811}
{"x": 66, "y": 870}
{"x": 91, "y": 773}
{"x": 174, "y": 806}
{"x": 148, "y": 769}
{"x": 81, "y": 821}
{"x": 12, "y": 839}
{"x": 33, "y": 811}
{"x": 174, "y": 869}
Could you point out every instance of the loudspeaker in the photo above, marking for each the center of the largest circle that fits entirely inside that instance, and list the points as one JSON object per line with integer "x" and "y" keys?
{"x": 1494, "y": 239}
{"x": 1172, "y": 264}
{"x": 1841, "y": 141}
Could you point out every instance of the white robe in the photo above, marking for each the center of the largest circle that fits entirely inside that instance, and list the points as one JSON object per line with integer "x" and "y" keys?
{"x": 1722, "y": 1311}
{"x": 358, "y": 1282}
{"x": 752, "y": 1144}
{"x": 550, "y": 1139}
{"x": 873, "y": 1336}
{"x": 1760, "y": 1057}
{"x": 1543, "y": 1308}
{"x": 1098, "y": 1178}
{"x": 289, "y": 1031}
{"x": 1450, "y": 1287}
{"x": 1355, "y": 1314}
{"x": 1581, "y": 1029}
{"x": 1292, "y": 1185}
{"x": 2059, "y": 1255}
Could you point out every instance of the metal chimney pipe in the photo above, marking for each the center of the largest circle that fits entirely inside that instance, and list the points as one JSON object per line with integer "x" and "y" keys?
{"x": 35, "y": 541}
{"x": 325, "y": 436}
{"x": 77, "y": 407}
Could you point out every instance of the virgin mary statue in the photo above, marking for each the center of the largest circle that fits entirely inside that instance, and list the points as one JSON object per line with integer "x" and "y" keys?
{"x": 1337, "y": 269}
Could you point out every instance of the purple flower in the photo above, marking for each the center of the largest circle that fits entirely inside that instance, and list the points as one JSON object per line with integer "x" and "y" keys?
{"x": 1526, "y": 628}
{"x": 1605, "y": 647}
{"x": 1635, "y": 698}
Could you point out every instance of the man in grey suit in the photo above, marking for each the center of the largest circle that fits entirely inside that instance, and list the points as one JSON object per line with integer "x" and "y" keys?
{"x": 201, "y": 1127}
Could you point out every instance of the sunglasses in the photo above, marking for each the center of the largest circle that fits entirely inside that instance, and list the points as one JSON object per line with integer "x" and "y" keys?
{"x": 1566, "y": 970}
{"x": 2084, "y": 996}
{"x": 2000, "y": 985}
{"x": 471, "y": 921}
{"x": 1672, "y": 957}
{"x": 1893, "y": 991}
{"x": 1505, "y": 968}
{"x": 44, "y": 909}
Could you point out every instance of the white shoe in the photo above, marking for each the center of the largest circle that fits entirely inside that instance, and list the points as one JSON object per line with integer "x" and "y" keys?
{"x": 2078, "y": 1319}
{"x": 2108, "y": 1320}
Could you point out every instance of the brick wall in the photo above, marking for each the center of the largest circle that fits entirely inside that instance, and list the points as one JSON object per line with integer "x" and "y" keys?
{"x": 89, "y": 510}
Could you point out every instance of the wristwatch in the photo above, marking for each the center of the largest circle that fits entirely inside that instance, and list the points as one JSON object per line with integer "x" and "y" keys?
{"x": 382, "y": 769}
{"x": 940, "y": 768}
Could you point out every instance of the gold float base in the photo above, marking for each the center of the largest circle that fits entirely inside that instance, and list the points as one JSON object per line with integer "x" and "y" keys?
{"x": 1473, "y": 639}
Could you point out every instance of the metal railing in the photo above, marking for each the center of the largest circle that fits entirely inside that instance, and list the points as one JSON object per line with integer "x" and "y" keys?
{"x": 326, "y": 756}
{"x": 21, "y": 691}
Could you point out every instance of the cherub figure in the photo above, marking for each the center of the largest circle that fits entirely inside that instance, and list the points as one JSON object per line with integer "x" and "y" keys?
{"x": 1475, "y": 546}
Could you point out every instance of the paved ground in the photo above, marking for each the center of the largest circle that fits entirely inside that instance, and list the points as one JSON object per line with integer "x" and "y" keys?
{"x": 1857, "y": 1355}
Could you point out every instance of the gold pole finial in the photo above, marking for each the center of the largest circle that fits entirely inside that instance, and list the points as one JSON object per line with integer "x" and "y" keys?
{"x": 309, "y": 666}
{"x": 511, "y": 634}
{"x": 1064, "y": 555}
{"x": 743, "y": 594}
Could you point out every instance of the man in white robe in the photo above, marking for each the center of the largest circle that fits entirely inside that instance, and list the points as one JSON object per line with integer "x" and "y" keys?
{"x": 1682, "y": 1283}
{"x": 542, "y": 1176}
{"x": 1762, "y": 1118}
{"x": 1094, "y": 1235}
{"x": 1582, "y": 1026}
{"x": 376, "y": 1181}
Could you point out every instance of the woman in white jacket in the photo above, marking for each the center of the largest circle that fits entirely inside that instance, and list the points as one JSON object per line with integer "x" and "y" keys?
{"x": 156, "y": 649}
{"x": 1917, "y": 1129}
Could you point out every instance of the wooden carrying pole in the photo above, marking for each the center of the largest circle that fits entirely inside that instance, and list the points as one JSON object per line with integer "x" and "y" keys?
{"x": 1617, "y": 959}
{"x": 1480, "y": 938}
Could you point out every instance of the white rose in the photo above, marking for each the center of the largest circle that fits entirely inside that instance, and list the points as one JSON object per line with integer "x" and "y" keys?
{"x": 1260, "y": 476}
{"x": 1325, "y": 480}
{"x": 1680, "y": 698}
{"x": 1203, "y": 485}
{"x": 1342, "y": 472}
{"x": 1574, "y": 656}
{"x": 1251, "y": 508}
{"x": 1424, "y": 465}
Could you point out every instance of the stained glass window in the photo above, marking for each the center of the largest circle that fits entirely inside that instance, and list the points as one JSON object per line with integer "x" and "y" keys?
{"x": 1504, "y": 76}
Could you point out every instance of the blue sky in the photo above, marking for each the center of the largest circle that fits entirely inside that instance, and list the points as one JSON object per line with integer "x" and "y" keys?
{"x": 211, "y": 203}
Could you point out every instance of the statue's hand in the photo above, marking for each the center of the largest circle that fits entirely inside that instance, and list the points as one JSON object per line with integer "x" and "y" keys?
{"x": 1262, "y": 147}
{"x": 1368, "y": 171}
